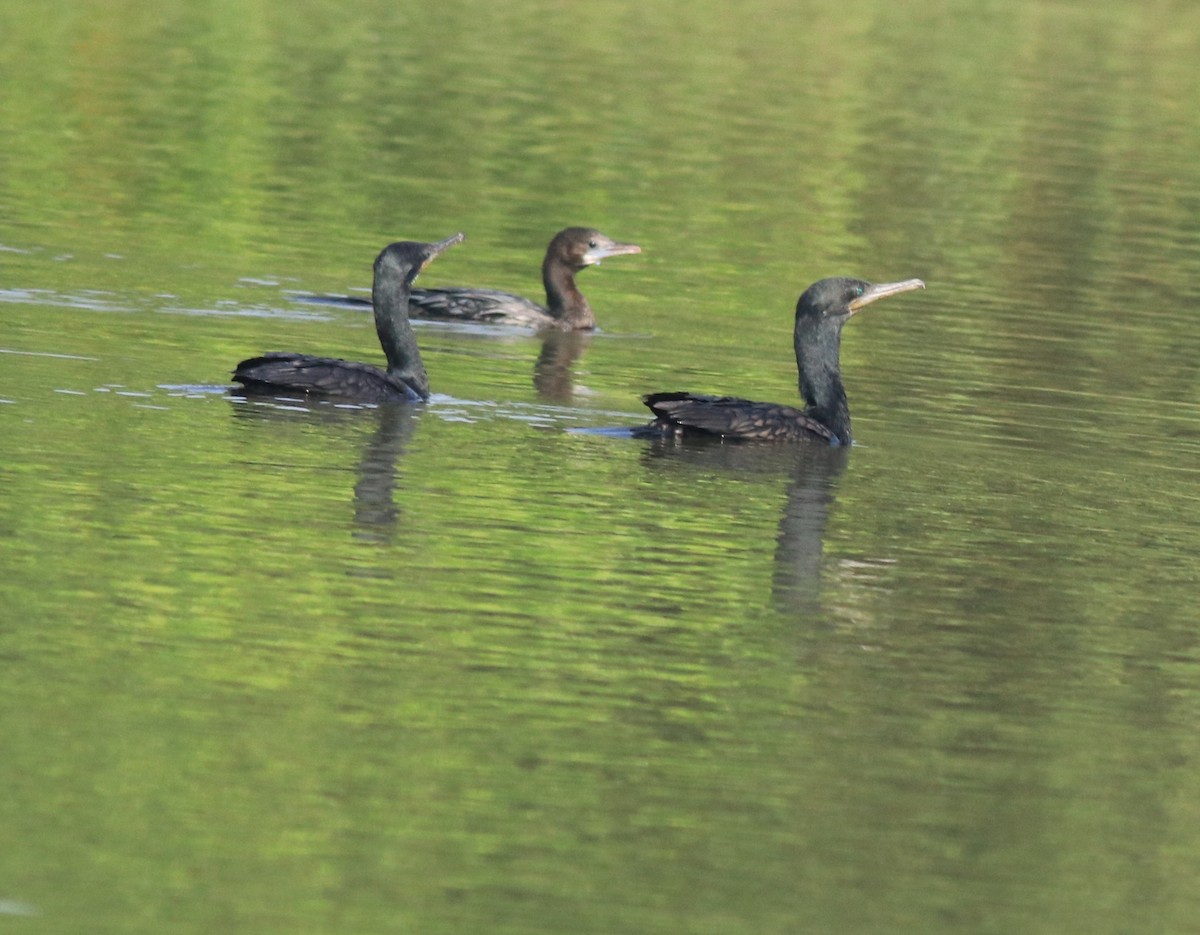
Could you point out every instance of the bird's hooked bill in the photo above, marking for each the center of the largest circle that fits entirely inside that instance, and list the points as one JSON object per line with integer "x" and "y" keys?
{"x": 604, "y": 250}
{"x": 437, "y": 249}
{"x": 883, "y": 290}
{"x": 449, "y": 242}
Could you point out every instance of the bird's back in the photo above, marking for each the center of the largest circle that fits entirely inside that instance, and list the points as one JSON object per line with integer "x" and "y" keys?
{"x": 282, "y": 371}
{"x": 732, "y": 417}
{"x": 463, "y": 303}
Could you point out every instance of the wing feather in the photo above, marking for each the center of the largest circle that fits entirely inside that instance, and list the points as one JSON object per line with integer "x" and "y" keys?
{"x": 281, "y": 371}
{"x": 487, "y": 305}
{"x": 732, "y": 417}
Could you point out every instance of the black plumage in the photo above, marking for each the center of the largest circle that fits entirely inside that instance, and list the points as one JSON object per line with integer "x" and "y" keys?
{"x": 822, "y": 310}
{"x": 405, "y": 378}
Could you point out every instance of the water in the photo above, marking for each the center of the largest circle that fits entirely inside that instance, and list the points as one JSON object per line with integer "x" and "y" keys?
{"x": 471, "y": 667}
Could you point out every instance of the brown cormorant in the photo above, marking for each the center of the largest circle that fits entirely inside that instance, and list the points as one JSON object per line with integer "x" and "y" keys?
{"x": 566, "y": 309}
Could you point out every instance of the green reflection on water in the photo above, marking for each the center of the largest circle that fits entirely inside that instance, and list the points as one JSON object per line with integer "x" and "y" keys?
{"x": 453, "y": 669}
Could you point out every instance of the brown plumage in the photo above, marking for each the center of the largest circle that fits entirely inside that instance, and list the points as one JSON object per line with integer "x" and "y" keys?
{"x": 571, "y": 251}
{"x": 821, "y": 312}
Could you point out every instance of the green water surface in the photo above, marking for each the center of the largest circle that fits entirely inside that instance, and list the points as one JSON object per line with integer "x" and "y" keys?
{"x": 464, "y": 668}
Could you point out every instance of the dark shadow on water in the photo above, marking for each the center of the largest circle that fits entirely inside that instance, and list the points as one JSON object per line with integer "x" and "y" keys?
{"x": 810, "y": 474}
{"x": 376, "y": 515}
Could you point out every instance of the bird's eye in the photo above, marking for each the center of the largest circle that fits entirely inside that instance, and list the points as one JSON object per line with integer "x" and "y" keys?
{"x": 592, "y": 244}
{"x": 858, "y": 290}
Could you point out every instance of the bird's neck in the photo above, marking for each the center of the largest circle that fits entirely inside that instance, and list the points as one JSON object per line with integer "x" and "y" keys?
{"x": 390, "y": 299}
{"x": 564, "y": 301}
{"x": 821, "y": 382}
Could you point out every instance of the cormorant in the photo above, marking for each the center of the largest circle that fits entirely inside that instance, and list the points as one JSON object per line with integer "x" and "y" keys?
{"x": 405, "y": 378}
{"x": 823, "y": 308}
{"x": 566, "y": 309}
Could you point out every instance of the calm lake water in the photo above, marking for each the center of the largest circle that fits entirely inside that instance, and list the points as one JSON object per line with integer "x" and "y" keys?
{"x": 466, "y": 668}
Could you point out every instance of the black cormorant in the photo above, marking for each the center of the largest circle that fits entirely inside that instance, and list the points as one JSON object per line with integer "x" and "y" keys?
{"x": 822, "y": 310}
{"x": 405, "y": 378}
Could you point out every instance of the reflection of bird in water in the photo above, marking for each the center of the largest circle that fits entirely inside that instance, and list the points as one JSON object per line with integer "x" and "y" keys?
{"x": 405, "y": 379}
{"x": 800, "y": 543}
{"x": 821, "y": 312}
{"x": 571, "y": 251}
{"x": 813, "y": 473}
{"x": 553, "y": 376}
{"x": 375, "y": 509}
